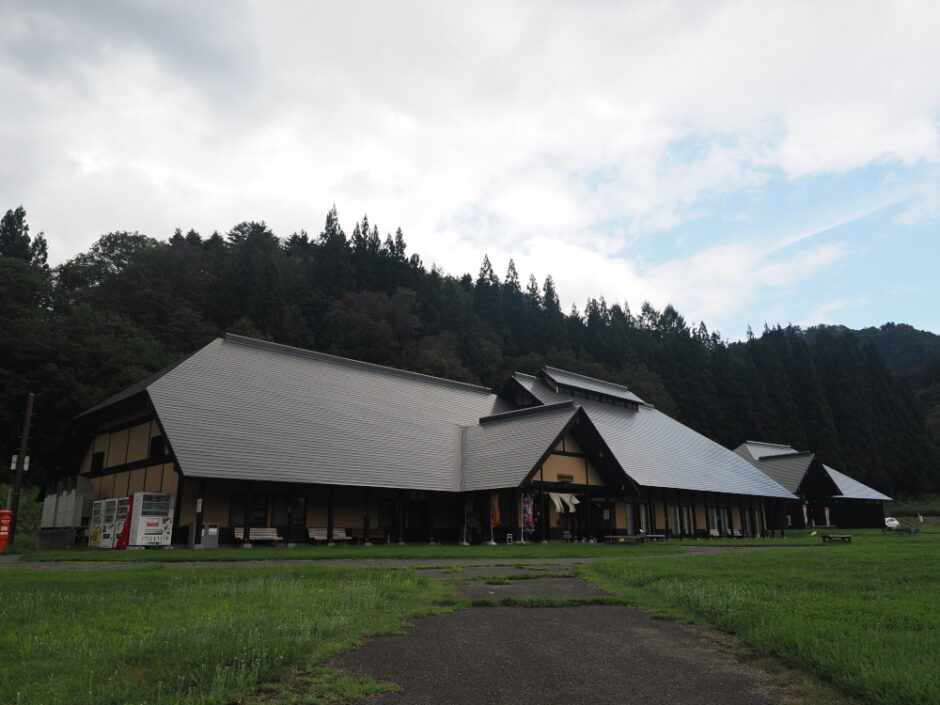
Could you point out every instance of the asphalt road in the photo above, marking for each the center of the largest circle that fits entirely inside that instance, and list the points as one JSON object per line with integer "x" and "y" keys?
{"x": 596, "y": 655}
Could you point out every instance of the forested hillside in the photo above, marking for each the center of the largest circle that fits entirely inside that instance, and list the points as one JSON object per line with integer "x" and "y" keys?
{"x": 913, "y": 355}
{"x": 132, "y": 304}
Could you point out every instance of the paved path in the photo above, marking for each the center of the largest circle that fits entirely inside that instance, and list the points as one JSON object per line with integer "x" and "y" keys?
{"x": 597, "y": 655}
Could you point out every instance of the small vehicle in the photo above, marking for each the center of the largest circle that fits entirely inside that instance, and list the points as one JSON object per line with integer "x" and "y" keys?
{"x": 892, "y": 523}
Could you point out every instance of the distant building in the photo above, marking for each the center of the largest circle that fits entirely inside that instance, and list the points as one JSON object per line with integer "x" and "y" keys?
{"x": 308, "y": 444}
{"x": 825, "y": 496}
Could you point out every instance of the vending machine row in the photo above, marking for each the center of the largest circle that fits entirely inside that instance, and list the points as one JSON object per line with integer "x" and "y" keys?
{"x": 140, "y": 520}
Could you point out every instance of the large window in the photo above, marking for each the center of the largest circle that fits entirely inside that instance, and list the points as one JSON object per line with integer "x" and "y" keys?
{"x": 280, "y": 516}
{"x": 646, "y": 518}
{"x": 718, "y": 519}
{"x": 680, "y": 520}
{"x": 258, "y": 510}
{"x": 157, "y": 448}
{"x": 675, "y": 520}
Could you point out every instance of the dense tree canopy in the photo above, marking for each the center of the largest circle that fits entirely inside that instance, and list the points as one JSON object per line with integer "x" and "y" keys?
{"x": 132, "y": 304}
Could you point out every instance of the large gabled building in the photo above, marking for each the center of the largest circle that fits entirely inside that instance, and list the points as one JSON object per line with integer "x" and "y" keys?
{"x": 249, "y": 432}
{"x": 824, "y": 496}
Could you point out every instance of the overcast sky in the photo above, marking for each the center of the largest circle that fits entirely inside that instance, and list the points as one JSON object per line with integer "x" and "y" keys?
{"x": 747, "y": 162}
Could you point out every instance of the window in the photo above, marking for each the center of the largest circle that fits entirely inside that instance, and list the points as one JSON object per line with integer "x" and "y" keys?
{"x": 157, "y": 448}
{"x": 646, "y": 518}
{"x": 631, "y": 526}
{"x": 97, "y": 461}
{"x": 279, "y": 510}
{"x": 675, "y": 522}
{"x": 258, "y": 511}
{"x": 282, "y": 513}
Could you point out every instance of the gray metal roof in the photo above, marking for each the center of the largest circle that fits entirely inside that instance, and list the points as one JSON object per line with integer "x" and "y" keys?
{"x": 853, "y": 489}
{"x": 245, "y": 409}
{"x": 784, "y": 470}
{"x": 788, "y": 470}
{"x": 589, "y": 384}
{"x": 759, "y": 449}
{"x": 658, "y": 451}
{"x": 502, "y": 450}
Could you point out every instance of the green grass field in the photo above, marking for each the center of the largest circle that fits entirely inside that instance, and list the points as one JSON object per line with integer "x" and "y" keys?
{"x": 863, "y": 616}
{"x": 172, "y": 634}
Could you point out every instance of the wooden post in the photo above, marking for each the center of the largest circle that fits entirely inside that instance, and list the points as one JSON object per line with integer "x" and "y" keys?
{"x": 14, "y": 498}
{"x": 365, "y": 518}
{"x": 587, "y": 492}
{"x": 290, "y": 516}
{"x": 546, "y": 515}
{"x": 489, "y": 514}
{"x": 329, "y": 517}
{"x": 430, "y": 520}
{"x": 201, "y": 501}
{"x": 401, "y": 518}
{"x": 246, "y": 530}
{"x": 666, "y": 511}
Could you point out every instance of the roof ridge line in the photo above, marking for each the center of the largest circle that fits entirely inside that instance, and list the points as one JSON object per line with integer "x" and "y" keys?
{"x": 593, "y": 379}
{"x": 528, "y": 411}
{"x": 768, "y": 443}
{"x": 786, "y": 455}
{"x": 349, "y": 362}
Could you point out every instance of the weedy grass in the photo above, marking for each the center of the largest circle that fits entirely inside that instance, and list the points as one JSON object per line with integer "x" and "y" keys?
{"x": 803, "y": 538}
{"x": 317, "y": 686}
{"x": 508, "y": 578}
{"x": 380, "y": 552}
{"x": 863, "y": 616}
{"x": 176, "y": 635}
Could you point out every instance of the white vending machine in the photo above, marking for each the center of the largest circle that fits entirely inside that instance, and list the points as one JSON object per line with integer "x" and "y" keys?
{"x": 94, "y": 524}
{"x": 107, "y": 516}
{"x": 151, "y": 520}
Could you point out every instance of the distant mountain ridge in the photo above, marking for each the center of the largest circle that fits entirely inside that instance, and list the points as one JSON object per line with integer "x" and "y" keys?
{"x": 912, "y": 354}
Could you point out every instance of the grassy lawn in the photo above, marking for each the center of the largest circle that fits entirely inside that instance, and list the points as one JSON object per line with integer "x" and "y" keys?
{"x": 377, "y": 552}
{"x": 863, "y": 616}
{"x": 173, "y": 634}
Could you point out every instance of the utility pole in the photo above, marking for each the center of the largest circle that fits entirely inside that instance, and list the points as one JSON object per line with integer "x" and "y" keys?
{"x": 20, "y": 463}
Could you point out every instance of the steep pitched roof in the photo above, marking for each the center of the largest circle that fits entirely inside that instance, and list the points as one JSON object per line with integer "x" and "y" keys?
{"x": 853, "y": 489}
{"x": 783, "y": 464}
{"x": 246, "y": 409}
{"x": 787, "y": 469}
{"x": 658, "y": 451}
{"x": 589, "y": 384}
{"x": 759, "y": 449}
{"x": 503, "y": 449}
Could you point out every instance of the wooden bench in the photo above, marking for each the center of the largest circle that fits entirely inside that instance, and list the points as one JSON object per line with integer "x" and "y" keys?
{"x": 258, "y": 533}
{"x": 617, "y": 538}
{"x": 837, "y": 537}
{"x": 317, "y": 535}
{"x": 378, "y": 535}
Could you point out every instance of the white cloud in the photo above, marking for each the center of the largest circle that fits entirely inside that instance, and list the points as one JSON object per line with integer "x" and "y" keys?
{"x": 823, "y": 314}
{"x": 558, "y": 134}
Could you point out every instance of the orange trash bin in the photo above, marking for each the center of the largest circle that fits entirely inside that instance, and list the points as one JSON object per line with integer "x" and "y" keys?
{"x": 6, "y": 519}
